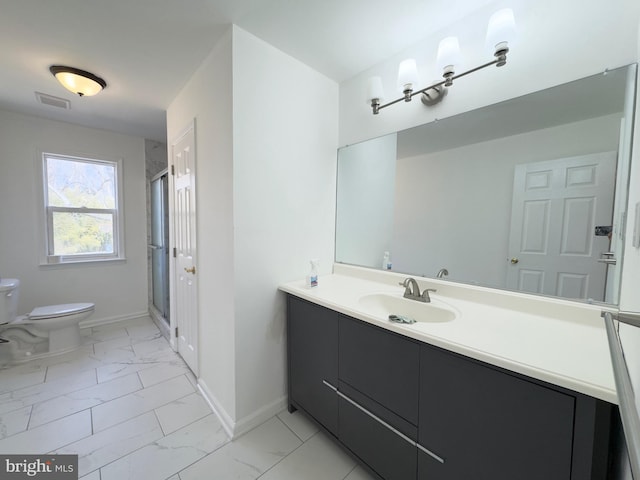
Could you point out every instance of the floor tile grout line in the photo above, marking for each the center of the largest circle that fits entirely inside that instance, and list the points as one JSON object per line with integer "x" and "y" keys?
{"x": 290, "y": 429}
{"x": 202, "y": 458}
{"x": 154, "y": 442}
{"x": 286, "y": 456}
{"x": 146, "y": 411}
{"x": 132, "y": 451}
{"x": 351, "y": 471}
{"x": 81, "y": 410}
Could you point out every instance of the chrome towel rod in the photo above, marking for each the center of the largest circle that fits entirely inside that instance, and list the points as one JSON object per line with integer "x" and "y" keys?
{"x": 626, "y": 400}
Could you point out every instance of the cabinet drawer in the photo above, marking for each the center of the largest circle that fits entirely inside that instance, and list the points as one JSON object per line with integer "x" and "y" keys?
{"x": 388, "y": 453}
{"x": 382, "y": 365}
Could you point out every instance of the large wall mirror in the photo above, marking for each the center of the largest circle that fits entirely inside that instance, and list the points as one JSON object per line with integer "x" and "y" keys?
{"x": 528, "y": 194}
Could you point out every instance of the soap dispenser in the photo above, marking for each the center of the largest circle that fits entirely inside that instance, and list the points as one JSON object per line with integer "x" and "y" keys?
{"x": 312, "y": 278}
{"x": 386, "y": 261}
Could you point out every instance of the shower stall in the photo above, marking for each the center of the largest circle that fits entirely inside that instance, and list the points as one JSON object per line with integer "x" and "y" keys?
{"x": 159, "y": 245}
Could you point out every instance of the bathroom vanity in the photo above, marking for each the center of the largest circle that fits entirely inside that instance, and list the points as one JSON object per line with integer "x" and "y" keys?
{"x": 501, "y": 390}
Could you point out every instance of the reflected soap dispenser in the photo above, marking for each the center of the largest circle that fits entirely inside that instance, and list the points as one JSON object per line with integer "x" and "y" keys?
{"x": 312, "y": 278}
{"x": 386, "y": 261}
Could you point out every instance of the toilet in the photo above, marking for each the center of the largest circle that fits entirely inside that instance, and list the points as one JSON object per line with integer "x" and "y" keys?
{"x": 45, "y": 331}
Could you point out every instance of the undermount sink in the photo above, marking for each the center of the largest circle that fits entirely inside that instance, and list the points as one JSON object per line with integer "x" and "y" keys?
{"x": 385, "y": 304}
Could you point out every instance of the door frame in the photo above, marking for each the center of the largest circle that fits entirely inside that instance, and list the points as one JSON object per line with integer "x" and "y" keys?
{"x": 173, "y": 340}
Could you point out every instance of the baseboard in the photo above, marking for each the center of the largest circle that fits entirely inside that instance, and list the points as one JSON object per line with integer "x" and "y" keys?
{"x": 236, "y": 428}
{"x": 91, "y": 322}
{"x": 259, "y": 416}
{"x": 160, "y": 322}
{"x": 225, "y": 419}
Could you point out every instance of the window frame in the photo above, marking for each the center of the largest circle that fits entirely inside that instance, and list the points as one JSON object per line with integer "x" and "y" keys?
{"x": 47, "y": 213}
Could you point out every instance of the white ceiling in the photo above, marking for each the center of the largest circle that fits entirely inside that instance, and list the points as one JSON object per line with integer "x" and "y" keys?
{"x": 146, "y": 50}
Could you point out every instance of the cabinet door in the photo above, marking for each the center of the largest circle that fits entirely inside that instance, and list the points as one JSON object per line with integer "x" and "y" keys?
{"x": 489, "y": 425}
{"x": 313, "y": 360}
{"x": 381, "y": 365}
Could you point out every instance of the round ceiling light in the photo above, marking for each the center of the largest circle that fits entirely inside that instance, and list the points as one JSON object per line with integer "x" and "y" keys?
{"x": 78, "y": 81}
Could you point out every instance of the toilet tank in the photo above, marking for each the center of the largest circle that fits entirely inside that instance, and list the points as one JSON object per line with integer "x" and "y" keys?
{"x": 8, "y": 299}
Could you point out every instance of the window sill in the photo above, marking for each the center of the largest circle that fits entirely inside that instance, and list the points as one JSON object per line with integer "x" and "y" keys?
{"x": 79, "y": 262}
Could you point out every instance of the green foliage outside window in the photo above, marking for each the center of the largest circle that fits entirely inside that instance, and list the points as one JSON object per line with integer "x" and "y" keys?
{"x": 81, "y": 204}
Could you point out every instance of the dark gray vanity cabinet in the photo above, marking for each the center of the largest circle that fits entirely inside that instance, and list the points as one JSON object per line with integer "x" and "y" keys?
{"x": 378, "y": 390}
{"x": 409, "y": 410}
{"x": 489, "y": 424}
{"x": 312, "y": 346}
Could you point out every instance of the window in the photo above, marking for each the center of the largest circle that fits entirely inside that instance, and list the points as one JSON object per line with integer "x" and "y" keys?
{"x": 81, "y": 200}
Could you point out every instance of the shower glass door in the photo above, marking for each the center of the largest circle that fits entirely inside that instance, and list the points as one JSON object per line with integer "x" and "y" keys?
{"x": 160, "y": 245}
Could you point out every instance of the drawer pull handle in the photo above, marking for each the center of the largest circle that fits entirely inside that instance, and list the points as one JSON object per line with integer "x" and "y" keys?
{"x": 330, "y": 386}
{"x": 430, "y": 453}
{"x": 382, "y": 422}
{"x": 376, "y": 418}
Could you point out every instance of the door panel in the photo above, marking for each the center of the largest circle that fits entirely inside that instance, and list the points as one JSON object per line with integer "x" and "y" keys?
{"x": 184, "y": 225}
{"x": 557, "y": 204}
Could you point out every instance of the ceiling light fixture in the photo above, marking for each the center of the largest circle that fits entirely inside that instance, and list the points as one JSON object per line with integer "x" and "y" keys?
{"x": 84, "y": 84}
{"x": 500, "y": 32}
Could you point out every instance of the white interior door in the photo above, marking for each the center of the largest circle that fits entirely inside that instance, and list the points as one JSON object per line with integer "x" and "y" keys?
{"x": 185, "y": 250}
{"x": 557, "y": 204}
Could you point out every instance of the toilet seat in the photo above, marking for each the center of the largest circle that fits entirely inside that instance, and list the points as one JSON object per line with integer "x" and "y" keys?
{"x": 57, "y": 311}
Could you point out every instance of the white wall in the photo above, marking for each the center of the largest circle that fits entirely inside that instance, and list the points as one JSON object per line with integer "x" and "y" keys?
{"x": 119, "y": 289}
{"x": 443, "y": 185}
{"x": 365, "y": 201}
{"x": 207, "y": 98}
{"x": 558, "y": 42}
{"x": 266, "y": 140}
{"x": 284, "y": 156}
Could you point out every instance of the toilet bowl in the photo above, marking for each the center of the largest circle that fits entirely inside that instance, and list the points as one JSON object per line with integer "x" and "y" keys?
{"x": 45, "y": 330}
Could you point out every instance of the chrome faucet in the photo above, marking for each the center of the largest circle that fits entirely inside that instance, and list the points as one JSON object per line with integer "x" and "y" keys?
{"x": 412, "y": 291}
{"x": 443, "y": 272}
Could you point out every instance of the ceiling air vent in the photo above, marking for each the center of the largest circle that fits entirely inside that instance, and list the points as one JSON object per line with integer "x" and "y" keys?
{"x": 53, "y": 101}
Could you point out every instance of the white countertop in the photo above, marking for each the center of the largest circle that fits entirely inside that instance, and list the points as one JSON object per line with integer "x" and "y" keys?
{"x": 557, "y": 341}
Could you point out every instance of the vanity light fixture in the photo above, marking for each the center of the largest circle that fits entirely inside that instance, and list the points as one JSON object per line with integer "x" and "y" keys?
{"x": 500, "y": 32}
{"x": 80, "y": 82}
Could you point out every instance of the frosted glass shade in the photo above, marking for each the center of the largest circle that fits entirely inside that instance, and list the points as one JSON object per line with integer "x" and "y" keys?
{"x": 449, "y": 53}
{"x": 407, "y": 75}
{"x": 78, "y": 81}
{"x": 374, "y": 89}
{"x": 501, "y": 30}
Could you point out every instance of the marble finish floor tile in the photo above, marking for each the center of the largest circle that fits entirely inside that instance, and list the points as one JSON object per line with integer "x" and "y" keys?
{"x": 163, "y": 371}
{"x": 181, "y": 412}
{"x": 129, "y": 407}
{"x": 319, "y": 458}
{"x": 92, "y": 476}
{"x": 247, "y": 457}
{"x": 359, "y": 473}
{"x": 169, "y": 455}
{"x": 49, "y": 437}
{"x": 82, "y": 399}
{"x": 137, "y": 403}
{"x": 113, "y": 443}
{"x": 299, "y": 424}
{"x": 46, "y": 391}
{"x": 14, "y": 422}
{"x": 14, "y": 379}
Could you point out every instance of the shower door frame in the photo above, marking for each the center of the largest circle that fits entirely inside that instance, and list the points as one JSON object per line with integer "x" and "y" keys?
{"x": 164, "y": 312}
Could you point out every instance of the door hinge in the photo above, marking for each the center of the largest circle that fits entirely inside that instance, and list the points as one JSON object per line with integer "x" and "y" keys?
{"x": 175, "y": 252}
{"x": 176, "y": 332}
{"x": 173, "y": 169}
